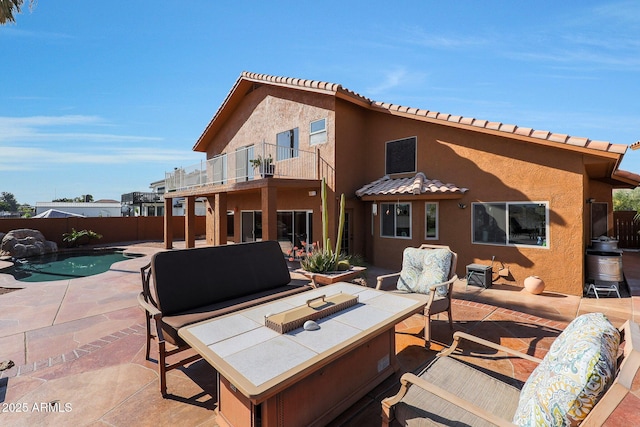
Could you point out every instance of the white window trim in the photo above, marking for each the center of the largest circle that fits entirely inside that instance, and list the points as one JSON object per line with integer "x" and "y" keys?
{"x": 394, "y": 222}
{"x": 318, "y": 132}
{"x": 546, "y": 203}
{"x": 437, "y": 236}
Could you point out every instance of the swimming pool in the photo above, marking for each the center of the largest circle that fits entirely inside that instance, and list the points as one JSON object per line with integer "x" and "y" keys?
{"x": 66, "y": 265}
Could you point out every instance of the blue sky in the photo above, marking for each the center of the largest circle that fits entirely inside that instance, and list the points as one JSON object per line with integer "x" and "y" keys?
{"x": 103, "y": 97}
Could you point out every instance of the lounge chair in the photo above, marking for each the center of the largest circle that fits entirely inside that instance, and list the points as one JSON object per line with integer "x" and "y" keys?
{"x": 588, "y": 371}
{"x": 428, "y": 274}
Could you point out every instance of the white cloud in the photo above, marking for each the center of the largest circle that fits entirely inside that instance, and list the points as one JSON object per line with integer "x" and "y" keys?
{"x": 420, "y": 37}
{"x": 39, "y": 128}
{"x": 28, "y": 143}
{"x": 603, "y": 37}
{"x": 30, "y": 158}
{"x": 398, "y": 77}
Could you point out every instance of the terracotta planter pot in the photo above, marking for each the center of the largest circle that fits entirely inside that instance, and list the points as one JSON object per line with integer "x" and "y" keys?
{"x": 534, "y": 285}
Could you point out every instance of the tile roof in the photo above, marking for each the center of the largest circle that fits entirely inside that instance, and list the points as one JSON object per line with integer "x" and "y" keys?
{"x": 569, "y": 140}
{"x": 415, "y": 185}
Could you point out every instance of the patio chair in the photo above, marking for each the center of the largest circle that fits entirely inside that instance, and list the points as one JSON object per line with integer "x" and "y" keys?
{"x": 428, "y": 274}
{"x": 588, "y": 371}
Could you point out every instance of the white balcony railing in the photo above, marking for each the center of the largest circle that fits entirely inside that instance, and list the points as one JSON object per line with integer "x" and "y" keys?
{"x": 237, "y": 166}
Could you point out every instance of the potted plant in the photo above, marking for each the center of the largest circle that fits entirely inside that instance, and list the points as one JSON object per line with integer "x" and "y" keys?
{"x": 265, "y": 165}
{"x": 327, "y": 265}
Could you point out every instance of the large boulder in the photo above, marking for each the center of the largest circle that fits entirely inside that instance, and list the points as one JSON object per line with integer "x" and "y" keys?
{"x": 25, "y": 243}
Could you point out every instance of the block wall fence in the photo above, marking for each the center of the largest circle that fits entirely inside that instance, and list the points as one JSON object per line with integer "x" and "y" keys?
{"x": 112, "y": 229}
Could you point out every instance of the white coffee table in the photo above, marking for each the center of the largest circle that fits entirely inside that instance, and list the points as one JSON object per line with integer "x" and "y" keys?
{"x": 301, "y": 377}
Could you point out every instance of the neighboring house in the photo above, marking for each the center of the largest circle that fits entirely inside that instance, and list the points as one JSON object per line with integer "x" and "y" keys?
{"x": 144, "y": 203}
{"x": 88, "y": 209}
{"x": 410, "y": 176}
{"x": 151, "y": 203}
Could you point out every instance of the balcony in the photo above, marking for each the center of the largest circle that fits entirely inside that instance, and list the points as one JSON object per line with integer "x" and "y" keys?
{"x": 246, "y": 164}
{"x": 138, "y": 197}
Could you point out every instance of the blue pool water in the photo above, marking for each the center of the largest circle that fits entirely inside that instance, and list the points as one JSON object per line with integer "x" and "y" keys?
{"x": 66, "y": 265}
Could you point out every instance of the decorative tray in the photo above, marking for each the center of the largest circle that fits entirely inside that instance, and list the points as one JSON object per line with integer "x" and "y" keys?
{"x": 314, "y": 309}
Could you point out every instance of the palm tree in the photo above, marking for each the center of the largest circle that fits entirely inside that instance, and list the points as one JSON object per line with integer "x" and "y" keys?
{"x": 9, "y": 8}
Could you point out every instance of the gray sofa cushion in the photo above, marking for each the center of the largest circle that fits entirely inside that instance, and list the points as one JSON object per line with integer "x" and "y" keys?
{"x": 193, "y": 278}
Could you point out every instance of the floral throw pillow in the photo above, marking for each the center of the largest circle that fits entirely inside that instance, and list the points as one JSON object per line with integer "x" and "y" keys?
{"x": 573, "y": 376}
{"x": 422, "y": 268}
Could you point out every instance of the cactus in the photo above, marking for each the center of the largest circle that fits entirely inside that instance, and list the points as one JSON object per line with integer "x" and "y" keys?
{"x": 328, "y": 258}
{"x": 340, "y": 224}
{"x": 325, "y": 216}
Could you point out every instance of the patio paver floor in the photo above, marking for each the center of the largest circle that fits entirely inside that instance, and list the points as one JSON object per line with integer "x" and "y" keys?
{"x": 82, "y": 343}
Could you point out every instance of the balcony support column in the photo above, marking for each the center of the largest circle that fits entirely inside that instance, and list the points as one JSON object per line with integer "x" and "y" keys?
{"x": 219, "y": 216}
{"x": 269, "y": 204}
{"x": 190, "y": 222}
{"x": 168, "y": 223}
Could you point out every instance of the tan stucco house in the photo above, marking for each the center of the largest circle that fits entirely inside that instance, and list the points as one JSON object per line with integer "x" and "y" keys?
{"x": 410, "y": 176}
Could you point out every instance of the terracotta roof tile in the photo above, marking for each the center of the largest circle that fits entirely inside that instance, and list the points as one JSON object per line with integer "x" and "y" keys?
{"x": 598, "y": 145}
{"x": 523, "y": 131}
{"x": 558, "y": 137}
{"x": 541, "y": 134}
{"x": 577, "y": 140}
{"x": 416, "y": 185}
{"x": 617, "y": 148}
{"x": 508, "y": 129}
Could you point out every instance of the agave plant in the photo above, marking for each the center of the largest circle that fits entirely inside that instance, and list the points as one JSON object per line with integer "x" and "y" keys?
{"x": 325, "y": 260}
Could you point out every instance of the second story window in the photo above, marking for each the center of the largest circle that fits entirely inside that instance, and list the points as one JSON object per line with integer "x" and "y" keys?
{"x": 401, "y": 156}
{"x": 287, "y": 142}
{"x": 318, "y": 132}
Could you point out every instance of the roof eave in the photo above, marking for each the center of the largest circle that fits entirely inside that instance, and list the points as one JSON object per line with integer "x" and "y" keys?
{"x": 396, "y": 197}
{"x": 578, "y": 144}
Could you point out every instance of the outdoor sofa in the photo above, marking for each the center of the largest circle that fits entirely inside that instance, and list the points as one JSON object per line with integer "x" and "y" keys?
{"x": 182, "y": 287}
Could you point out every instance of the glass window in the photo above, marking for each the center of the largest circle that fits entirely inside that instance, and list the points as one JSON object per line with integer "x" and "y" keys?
{"x": 318, "y": 132}
{"x": 511, "y": 223}
{"x": 287, "y": 143}
{"x": 396, "y": 220}
{"x": 401, "y": 156}
{"x": 431, "y": 220}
